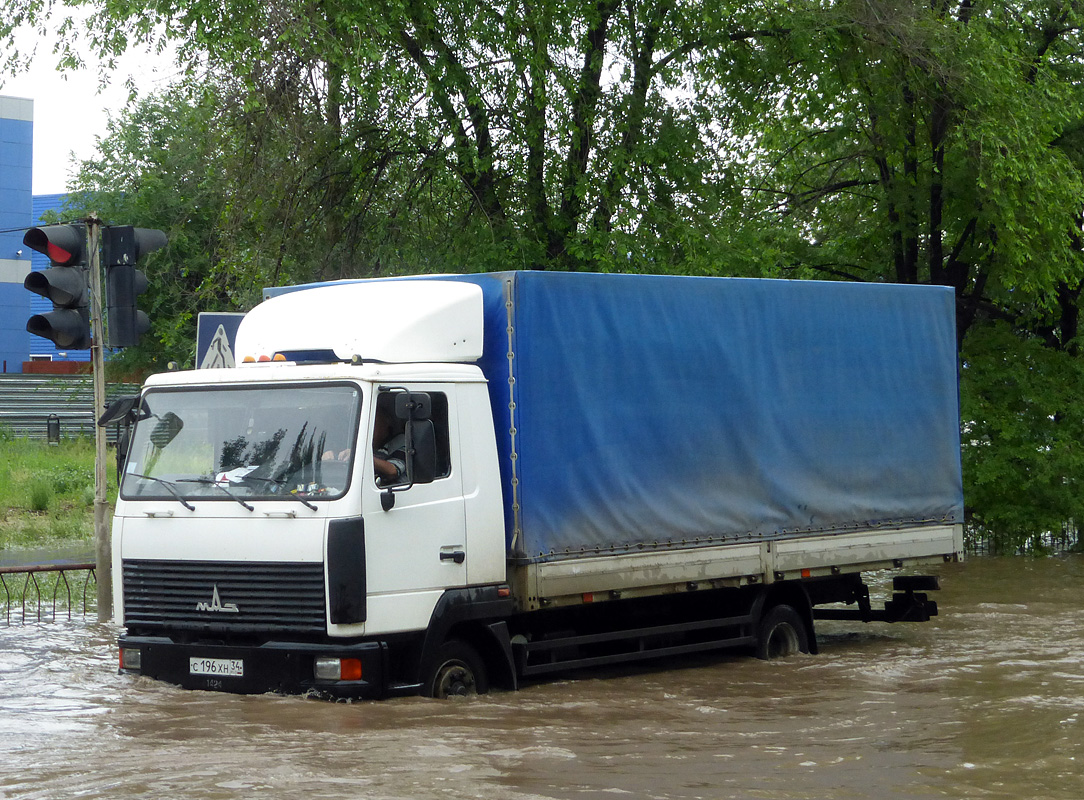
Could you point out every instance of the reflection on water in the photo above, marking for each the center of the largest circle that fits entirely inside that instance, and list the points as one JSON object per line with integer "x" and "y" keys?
{"x": 62, "y": 553}
{"x": 986, "y": 700}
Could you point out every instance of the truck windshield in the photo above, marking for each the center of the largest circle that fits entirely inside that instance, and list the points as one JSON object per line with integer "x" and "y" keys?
{"x": 287, "y": 442}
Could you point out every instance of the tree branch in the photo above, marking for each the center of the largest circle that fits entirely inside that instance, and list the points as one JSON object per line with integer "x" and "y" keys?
{"x": 643, "y": 71}
{"x": 584, "y": 112}
{"x": 477, "y": 161}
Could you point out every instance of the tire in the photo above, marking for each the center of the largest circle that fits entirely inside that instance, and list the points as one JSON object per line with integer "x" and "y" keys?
{"x": 782, "y": 632}
{"x": 457, "y": 671}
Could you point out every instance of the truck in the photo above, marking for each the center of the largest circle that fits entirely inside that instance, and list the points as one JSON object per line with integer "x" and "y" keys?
{"x": 448, "y": 483}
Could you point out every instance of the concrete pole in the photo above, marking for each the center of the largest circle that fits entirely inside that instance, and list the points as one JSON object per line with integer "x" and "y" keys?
{"x": 103, "y": 555}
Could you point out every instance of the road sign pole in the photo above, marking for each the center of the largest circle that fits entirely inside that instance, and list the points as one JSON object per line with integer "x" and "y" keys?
{"x": 103, "y": 557}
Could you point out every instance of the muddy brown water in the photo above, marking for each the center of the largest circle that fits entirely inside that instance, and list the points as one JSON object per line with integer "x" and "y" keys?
{"x": 987, "y": 700}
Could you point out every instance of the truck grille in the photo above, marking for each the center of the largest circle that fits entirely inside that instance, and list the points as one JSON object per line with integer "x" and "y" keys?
{"x": 225, "y": 596}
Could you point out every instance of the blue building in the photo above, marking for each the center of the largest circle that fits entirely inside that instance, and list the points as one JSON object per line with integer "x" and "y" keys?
{"x": 16, "y": 215}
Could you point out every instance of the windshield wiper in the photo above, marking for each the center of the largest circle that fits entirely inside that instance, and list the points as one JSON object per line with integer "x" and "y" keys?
{"x": 168, "y": 485}
{"x": 278, "y": 482}
{"x": 217, "y": 485}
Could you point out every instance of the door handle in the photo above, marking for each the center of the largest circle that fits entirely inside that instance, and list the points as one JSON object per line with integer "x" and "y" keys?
{"x": 458, "y": 556}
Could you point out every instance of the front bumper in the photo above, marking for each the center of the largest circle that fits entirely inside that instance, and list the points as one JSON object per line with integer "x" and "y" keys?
{"x": 284, "y": 667}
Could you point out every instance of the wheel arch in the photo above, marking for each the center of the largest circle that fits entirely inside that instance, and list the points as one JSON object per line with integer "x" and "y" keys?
{"x": 476, "y": 616}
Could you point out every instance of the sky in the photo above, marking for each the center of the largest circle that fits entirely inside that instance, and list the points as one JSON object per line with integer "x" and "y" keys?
{"x": 70, "y": 112}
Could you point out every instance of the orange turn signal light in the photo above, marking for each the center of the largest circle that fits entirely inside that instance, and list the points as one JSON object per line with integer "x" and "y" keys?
{"x": 350, "y": 669}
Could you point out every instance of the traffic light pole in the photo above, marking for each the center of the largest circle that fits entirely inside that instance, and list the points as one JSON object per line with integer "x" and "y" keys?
{"x": 103, "y": 557}
{"x": 73, "y": 283}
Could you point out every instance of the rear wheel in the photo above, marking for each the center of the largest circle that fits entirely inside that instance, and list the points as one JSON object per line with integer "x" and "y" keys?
{"x": 782, "y": 632}
{"x": 457, "y": 671}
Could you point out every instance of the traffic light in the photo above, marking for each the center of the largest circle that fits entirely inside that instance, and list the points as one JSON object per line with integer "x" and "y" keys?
{"x": 122, "y": 246}
{"x": 65, "y": 283}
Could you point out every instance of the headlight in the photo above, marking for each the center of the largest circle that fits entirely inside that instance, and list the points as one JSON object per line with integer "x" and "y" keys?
{"x": 131, "y": 659}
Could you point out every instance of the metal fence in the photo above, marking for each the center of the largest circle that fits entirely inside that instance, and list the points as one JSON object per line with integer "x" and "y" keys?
{"x": 46, "y": 588}
{"x": 28, "y": 401}
{"x": 983, "y": 543}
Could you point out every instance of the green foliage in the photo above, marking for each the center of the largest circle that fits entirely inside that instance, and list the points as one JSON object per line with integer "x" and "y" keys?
{"x": 915, "y": 143}
{"x": 70, "y": 478}
{"x": 1022, "y": 405}
{"x": 41, "y": 494}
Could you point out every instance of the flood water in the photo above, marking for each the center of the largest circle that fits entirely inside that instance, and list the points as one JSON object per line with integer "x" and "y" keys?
{"x": 986, "y": 700}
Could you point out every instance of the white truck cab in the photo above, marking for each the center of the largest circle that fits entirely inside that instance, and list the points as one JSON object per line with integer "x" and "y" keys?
{"x": 241, "y": 484}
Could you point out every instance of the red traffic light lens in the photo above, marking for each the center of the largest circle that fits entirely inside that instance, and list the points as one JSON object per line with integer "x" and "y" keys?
{"x": 63, "y": 244}
{"x": 57, "y": 253}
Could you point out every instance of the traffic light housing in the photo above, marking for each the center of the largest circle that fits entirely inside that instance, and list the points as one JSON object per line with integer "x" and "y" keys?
{"x": 66, "y": 283}
{"x": 122, "y": 247}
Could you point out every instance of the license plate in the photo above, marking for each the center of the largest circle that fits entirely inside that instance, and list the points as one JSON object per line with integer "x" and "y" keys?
{"x": 231, "y": 667}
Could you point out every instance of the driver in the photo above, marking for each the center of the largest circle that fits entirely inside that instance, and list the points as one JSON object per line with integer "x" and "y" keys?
{"x": 389, "y": 449}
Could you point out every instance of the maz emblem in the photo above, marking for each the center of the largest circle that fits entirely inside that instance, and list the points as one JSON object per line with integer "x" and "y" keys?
{"x": 216, "y": 604}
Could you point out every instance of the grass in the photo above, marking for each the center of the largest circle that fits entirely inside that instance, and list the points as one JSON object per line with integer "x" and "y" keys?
{"x": 47, "y": 492}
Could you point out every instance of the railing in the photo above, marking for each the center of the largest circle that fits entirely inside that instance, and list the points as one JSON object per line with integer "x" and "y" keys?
{"x": 982, "y": 543}
{"x": 32, "y": 589}
{"x": 27, "y": 401}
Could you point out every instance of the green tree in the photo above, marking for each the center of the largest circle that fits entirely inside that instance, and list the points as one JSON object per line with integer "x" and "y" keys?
{"x": 1023, "y": 436}
{"x": 920, "y": 142}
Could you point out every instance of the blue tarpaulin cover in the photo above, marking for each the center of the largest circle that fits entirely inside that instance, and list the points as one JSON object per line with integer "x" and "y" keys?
{"x": 640, "y": 411}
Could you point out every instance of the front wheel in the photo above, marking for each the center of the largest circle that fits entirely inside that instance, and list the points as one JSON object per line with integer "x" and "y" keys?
{"x": 457, "y": 671}
{"x": 782, "y": 632}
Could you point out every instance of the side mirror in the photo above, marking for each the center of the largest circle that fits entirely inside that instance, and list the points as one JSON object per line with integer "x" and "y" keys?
{"x": 118, "y": 410}
{"x": 422, "y": 459}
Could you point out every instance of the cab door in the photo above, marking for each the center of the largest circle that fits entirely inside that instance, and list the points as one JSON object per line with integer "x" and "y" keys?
{"x": 416, "y": 549}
